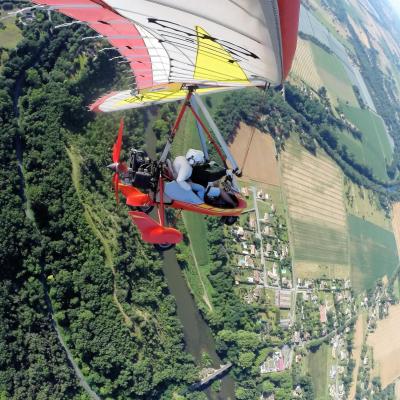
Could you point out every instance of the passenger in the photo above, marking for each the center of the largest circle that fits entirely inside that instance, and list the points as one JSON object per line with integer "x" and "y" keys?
{"x": 204, "y": 180}
{"x": 184, "y": 189}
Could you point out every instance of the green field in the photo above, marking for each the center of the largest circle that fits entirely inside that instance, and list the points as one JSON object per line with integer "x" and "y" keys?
{"x": 11, "y": 35}
{"x": 197, "y": 230}
{"x": 375, "y": 145}
{"x": 319, "y": 243}
{"x": 318, "y": 367}
{"x": 334, "y": 76}
{"x": 373, "y": 253}
{"x": 364, "y": 203}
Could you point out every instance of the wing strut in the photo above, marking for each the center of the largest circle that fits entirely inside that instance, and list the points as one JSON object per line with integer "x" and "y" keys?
{"x": 235, "y": 167}
{"x": 200, "y": 131}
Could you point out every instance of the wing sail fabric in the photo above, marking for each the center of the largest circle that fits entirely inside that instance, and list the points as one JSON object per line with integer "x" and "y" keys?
{"x": 210, "y": 43}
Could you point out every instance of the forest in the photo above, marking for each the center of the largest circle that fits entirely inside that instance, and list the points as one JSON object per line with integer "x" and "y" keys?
{"x": 67, "y": 254}
{"x": 72, "y": 262}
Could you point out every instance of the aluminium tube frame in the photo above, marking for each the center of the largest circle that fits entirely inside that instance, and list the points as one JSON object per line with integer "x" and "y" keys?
{"x": 235, "y": 167}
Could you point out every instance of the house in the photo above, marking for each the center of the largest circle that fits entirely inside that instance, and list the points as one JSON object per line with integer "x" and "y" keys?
{"x": 266, "y": 218}
{"x": 267, "y": 396}
{"x": 280, "y": 366}
{"x": 256, "y": 276}
{"x": 248, "y": 262}
{"x": 260, "y": 195}
{"x": 283, "y": 298}
{"x": 239, "y": 232}
{"x": 252, "y": 249}
{"x": 272, "y": 207}
{"x": 252, "y": 221}
{"x": 241, "y": 262}
{"x": 245, "y": 191}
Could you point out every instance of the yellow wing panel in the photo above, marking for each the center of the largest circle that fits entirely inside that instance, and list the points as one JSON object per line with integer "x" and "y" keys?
{"x": 214, "y": 62}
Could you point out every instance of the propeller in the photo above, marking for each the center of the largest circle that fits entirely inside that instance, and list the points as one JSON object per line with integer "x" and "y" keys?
{"x": 115, "y": 166}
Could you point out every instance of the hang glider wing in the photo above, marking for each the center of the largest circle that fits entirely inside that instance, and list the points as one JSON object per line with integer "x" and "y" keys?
{"x": 213, "y": 43}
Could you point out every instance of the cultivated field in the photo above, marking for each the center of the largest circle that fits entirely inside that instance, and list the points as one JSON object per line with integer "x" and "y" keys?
{"x": 255, "y": 152}
{"x": 386, "y": 347}
{"x": 375, "y": 143}
{"x": 318, "y": 366}
{"x": 304, "y": 67}
{"x": 363, "y": 203}
{"x": 318, "y": 227}
{"x": 373, "y": 253}
{"x": 334, "y": 76}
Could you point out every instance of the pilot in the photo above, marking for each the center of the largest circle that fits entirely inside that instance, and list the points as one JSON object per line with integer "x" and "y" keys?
{"x": 183, "y": 188}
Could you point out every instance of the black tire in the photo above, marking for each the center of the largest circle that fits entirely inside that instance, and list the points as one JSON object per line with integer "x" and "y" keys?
{"x": 164, "y": 246}
{"x": 229, "y": 220}
{"x": 146, "y": 210}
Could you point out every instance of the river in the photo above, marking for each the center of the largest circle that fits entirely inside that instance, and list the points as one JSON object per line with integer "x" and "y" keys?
{"x": 198, "y": 335}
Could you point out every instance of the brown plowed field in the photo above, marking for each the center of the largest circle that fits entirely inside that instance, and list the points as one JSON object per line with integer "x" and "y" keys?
{"x": 254, "y": 151}
{"x": 386, "y": 347}
{"x": 304, "y": 67}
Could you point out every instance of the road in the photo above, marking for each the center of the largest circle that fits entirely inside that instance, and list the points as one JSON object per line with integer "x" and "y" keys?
{"x": 263, "y": 264}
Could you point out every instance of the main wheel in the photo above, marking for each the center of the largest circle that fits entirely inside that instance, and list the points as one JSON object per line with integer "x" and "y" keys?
{"x": 146, "y": 209}
{"x": 229, "y": 220}
{"x": 164, "y": 246}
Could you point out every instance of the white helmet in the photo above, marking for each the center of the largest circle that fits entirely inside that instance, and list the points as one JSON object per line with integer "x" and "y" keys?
{"x": 195, "y": 157}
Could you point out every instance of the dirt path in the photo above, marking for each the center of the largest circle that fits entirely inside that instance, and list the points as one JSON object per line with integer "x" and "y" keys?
{"x": 91, "y": 217}
{"x": 205, "y": 295}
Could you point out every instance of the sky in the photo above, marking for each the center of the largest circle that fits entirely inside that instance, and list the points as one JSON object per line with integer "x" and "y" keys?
{"x": 396, "y": 6}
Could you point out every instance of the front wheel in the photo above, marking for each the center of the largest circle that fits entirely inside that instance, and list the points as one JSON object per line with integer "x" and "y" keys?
{"x": 164, "y": 246}
{"x": 229, "y": 220}
{"x": 146, "y": 209}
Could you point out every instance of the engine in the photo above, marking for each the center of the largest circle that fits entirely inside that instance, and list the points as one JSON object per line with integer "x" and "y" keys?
{"x": 143, "y": 170}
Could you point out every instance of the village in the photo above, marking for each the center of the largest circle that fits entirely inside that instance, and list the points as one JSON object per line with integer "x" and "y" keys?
{"x": 302, "y": 312}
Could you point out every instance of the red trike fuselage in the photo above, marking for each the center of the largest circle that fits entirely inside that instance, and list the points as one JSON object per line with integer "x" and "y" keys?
{"x": 136, "y": 198}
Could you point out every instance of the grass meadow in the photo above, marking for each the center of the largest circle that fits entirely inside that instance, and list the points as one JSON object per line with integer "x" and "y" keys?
{"x": 375, "y": 146}
{"x": 373, "y": 253}
{"x": 318, "y": 367}
{"x": 10, "y": 35}
{"x": 334, "y": 76}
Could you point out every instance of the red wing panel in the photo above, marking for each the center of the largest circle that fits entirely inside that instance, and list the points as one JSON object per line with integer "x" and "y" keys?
{"x": 134, "y": 197}
{"x": 153, "y": 232}
{"x": 119, "y": 31}
{"x": 289, "y": 12}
